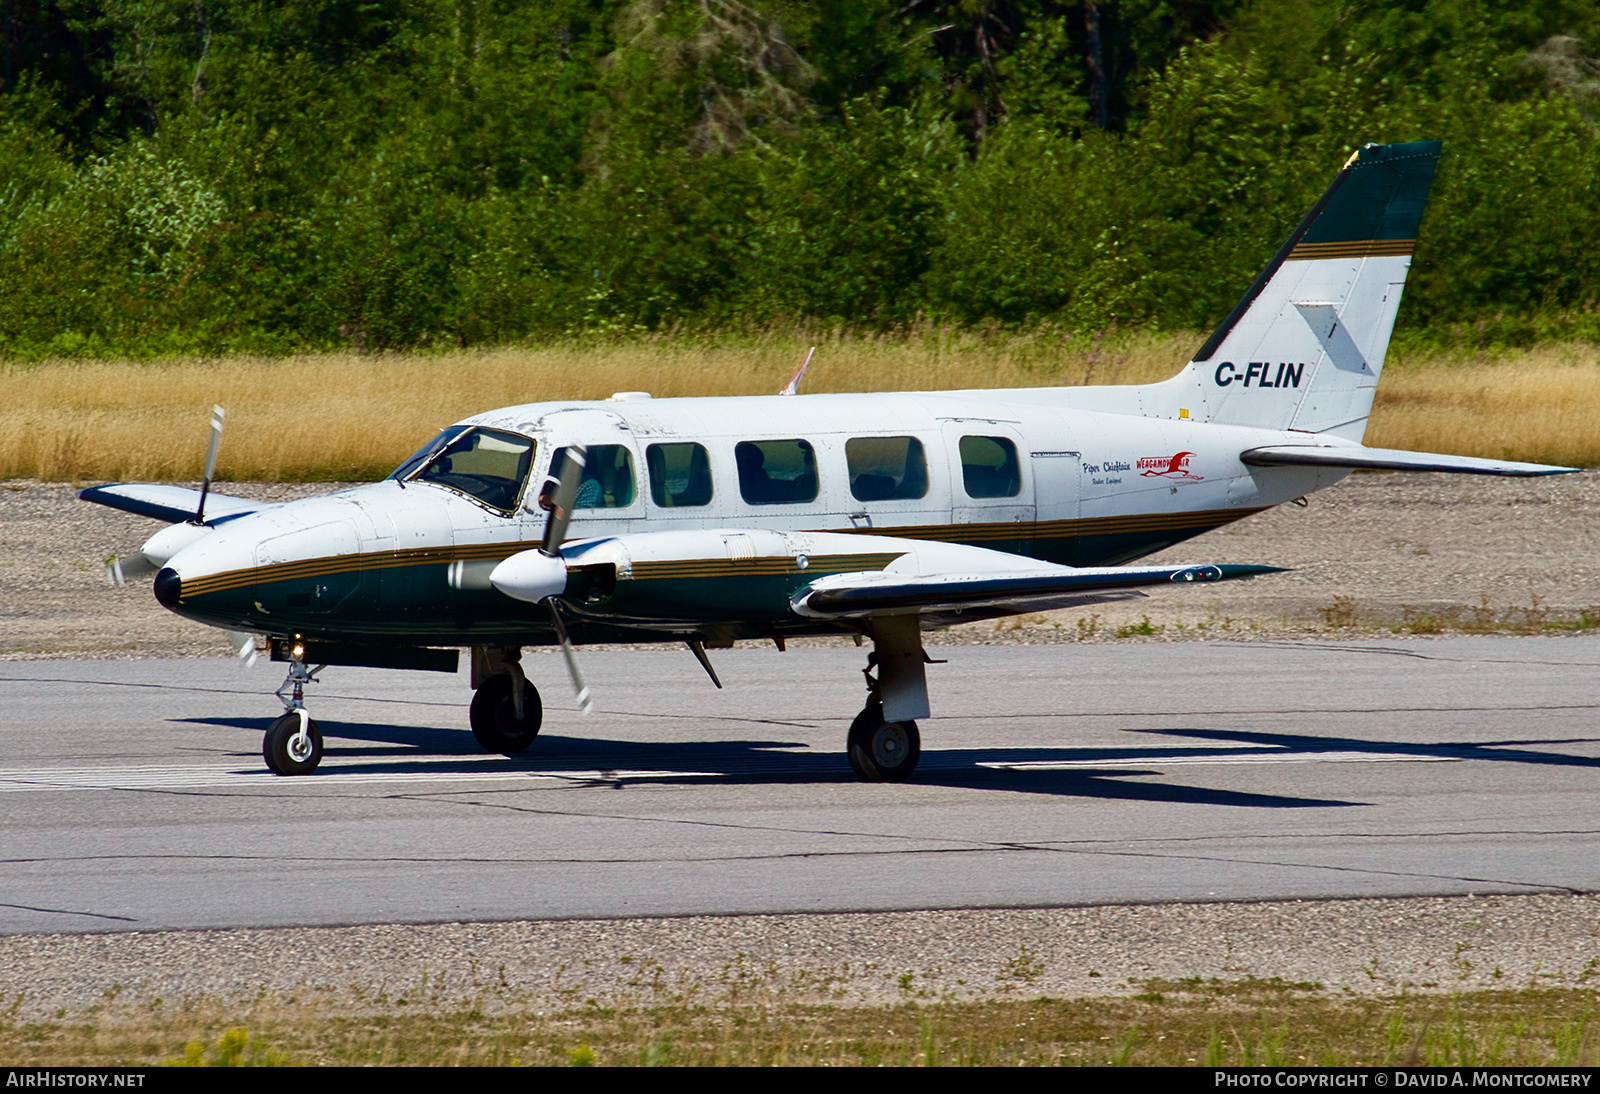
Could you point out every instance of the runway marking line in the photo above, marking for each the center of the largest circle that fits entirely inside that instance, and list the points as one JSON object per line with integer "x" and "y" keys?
{"x": 1166, "y": 761}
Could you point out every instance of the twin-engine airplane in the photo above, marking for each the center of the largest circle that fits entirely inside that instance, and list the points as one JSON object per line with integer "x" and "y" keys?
{"x": 709, "y": 521}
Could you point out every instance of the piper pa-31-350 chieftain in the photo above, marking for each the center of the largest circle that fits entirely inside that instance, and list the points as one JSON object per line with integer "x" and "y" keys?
{"x": 709, "y": 521}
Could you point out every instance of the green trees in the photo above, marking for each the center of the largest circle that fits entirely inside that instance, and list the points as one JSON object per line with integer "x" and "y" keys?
{"x": 216, "y": 175}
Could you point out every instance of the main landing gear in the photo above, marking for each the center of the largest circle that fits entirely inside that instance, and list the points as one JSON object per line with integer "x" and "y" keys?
{"x": 506, "y": 711}
{"x": 293, "y": 743}
{"x": 884, "y": 745}
{"x": 880, "y": 751}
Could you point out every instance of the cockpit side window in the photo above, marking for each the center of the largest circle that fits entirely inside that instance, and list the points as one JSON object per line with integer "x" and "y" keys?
{"x": 485, "y": 464}
{"x": 420, "y": 456}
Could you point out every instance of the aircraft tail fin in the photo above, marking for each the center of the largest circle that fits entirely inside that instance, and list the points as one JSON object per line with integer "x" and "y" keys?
{"x": 1303, "y": 348}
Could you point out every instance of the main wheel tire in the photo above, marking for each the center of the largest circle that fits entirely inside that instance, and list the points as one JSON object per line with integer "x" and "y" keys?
{"x": 284, "y": 750}
{"x": 494, "y": 715}
{"x": 883, "y": 752}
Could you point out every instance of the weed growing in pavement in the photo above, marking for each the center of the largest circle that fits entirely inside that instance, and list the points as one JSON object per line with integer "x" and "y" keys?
{"x": 1142, "y": 629}
{"x": 1535, "y": 617}
{"x": 1341, "y": 613}
{"x": 1021, "y": 969}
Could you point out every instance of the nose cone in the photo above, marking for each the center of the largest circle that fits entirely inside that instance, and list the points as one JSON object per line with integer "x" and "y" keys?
{"x": 168, "y": 587}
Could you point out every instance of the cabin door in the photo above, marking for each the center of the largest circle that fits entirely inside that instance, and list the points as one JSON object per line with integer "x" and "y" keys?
{"x": 1057, "y": 493}
{"x": 991, "y": 485}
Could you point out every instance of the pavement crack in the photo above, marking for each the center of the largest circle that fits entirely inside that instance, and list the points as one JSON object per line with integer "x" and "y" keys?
{"x": 69, "y": 911}
{"x": 1394, "y": 651}
{"x": 1369, "y": 870}
{"x": 689, "y": 822}
{"x": 1329, "y": 836}
{"x": 1221, "y": 712}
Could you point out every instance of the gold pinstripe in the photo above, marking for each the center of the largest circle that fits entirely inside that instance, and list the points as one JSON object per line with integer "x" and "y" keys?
{"x": 1066, "y": 529}
{"x": 1353, "y": 248}
{"x": 338, "y": 564}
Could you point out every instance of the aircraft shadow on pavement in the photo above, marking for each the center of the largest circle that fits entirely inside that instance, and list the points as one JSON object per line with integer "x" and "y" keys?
{"x": 355, "y": 748}
{"x": 1310, "y": 744}
{"x": 386, "y": 740}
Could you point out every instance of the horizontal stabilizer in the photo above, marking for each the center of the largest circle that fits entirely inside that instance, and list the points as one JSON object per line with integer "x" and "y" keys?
{"x": 1390, "y": 459}
{"x": 868, "y": 593}
{"x": 169, "y": 503}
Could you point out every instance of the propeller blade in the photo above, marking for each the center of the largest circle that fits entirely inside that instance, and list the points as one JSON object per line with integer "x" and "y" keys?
{"x": 244, "y": 646}
{"x": 211, "y": 462}
{"x": 120, "y": 568}
{"x": 579, "y": 688}
{"x": 568, "y": 476}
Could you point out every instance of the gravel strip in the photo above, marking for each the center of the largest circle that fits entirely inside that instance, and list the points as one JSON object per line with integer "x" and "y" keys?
{"x": 1385, "y": 543}
{"x": 1362, "y": 947}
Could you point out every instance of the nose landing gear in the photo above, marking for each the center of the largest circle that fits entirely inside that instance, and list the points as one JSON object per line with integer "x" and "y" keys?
{"x": 293, "y": 743}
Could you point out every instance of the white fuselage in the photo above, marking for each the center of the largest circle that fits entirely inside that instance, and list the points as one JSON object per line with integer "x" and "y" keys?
{"x": 1091, "y": 488}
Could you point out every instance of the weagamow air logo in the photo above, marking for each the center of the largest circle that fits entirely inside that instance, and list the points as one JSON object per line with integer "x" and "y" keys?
{"x": 1174, "y": 468}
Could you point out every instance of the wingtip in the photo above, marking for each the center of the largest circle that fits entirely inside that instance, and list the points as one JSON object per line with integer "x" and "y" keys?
{"x": 1241, "y": 570}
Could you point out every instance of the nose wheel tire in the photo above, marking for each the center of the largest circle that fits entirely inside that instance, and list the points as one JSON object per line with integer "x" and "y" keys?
{"x": 883, "y": 752}
{"x": 494, "y": 716}
{"x": 288, "y": 750}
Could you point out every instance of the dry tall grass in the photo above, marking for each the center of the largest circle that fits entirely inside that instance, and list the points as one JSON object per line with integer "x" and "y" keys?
{"x": 343, "y": 417}
{"x": 1541, "y": 405}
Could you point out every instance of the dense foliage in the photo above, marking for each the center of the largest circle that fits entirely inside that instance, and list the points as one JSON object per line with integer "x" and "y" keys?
{"x": 265, "y": 175}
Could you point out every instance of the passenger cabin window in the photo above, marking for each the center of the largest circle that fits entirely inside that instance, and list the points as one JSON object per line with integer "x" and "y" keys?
{"x": 607, "y": 481}
{"x": 886, "y": 468}
{"x": 485, "y": 464}
{"x": 776, "y": 472}
{"x": 989, "y": 467}
{"x": 680, "y": 474}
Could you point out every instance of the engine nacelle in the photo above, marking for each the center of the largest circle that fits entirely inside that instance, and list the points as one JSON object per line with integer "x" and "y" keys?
{"x": 160, "y": 548}
{"x": 737, "y": 574}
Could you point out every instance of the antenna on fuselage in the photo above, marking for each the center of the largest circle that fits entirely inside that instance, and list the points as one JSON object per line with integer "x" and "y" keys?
{"x": 794, "y": 381}
{"x": 211, "y": 463}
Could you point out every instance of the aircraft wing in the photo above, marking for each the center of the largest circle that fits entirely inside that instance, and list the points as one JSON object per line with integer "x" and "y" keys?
{"x": 1390, "y": 459}
{"x": 169, "y": 503}
{"x": 1037, "y": 587}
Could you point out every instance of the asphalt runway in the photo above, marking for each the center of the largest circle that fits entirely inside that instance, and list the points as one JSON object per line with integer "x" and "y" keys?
{"x": 133, "y": 796}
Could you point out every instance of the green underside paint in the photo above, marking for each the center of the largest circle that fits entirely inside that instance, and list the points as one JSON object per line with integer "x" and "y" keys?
{"x": 416, "y": 605}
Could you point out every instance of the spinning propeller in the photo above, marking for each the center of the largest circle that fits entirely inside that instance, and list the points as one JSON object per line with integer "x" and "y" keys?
{"x": 156, "y": 550}
{"x": 541, "y": 576}
{"x": 211, "y": 463}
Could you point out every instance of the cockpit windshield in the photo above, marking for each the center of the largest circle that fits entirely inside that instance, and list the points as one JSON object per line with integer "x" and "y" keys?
{"x": 420, "y": 456}
{"x": 486, "y": 464}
